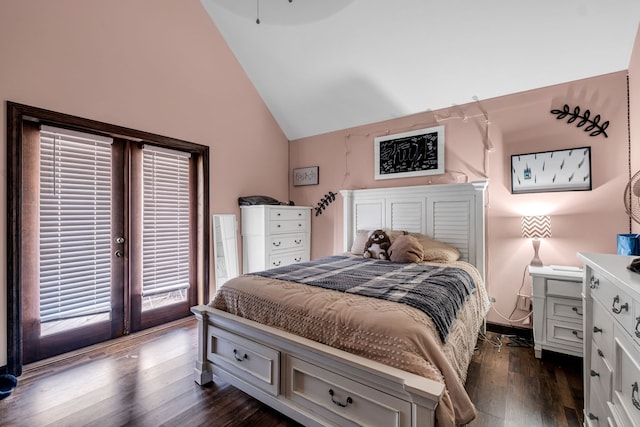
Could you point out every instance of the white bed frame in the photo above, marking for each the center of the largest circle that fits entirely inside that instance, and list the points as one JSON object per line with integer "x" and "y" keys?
{"x": 318, "y": 385}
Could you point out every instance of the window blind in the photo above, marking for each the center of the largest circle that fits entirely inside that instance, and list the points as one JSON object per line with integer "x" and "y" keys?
{"x": 75, "y": 224}
{"x": 165, "y": 221}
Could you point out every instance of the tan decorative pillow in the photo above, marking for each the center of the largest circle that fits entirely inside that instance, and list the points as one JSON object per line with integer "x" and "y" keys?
{"x": 406, "y": 249}
{"x": 357, "y": 248}
{"x": 436, "y": 251}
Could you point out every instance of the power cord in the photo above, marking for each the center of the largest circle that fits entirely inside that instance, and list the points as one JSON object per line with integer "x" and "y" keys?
{"x": 515, "y": 307}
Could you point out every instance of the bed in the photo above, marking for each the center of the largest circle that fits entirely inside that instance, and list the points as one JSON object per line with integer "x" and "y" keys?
{"x": 320, "y": 361}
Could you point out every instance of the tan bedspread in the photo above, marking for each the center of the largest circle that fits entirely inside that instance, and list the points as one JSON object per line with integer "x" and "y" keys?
{"x": 388, "y": 332}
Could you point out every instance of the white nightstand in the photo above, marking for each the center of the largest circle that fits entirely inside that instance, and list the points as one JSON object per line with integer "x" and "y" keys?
{"x": 557, "y": 310}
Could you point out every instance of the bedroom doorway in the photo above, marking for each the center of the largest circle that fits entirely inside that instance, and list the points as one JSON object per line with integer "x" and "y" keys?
{"x": 106, "y": 237}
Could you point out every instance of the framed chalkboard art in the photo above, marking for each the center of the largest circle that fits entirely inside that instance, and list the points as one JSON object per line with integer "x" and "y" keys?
{"x": 415, "y": 153}
{"x": 559, "y": 170}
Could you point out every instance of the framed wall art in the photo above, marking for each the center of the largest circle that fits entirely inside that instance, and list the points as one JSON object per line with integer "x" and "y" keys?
{"x": 306, "y": 176}
{"x": 559, "y": 170}
{"x": 407, "y": 154}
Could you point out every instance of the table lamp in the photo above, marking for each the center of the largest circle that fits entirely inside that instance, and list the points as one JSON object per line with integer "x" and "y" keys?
{"x": 536, "y": 227}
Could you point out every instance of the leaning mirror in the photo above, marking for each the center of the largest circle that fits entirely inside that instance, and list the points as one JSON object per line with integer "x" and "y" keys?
{"x": 225, "y": 247}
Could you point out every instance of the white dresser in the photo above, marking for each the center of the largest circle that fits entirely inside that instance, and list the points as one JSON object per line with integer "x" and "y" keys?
{"x": 557, "y": 310}
{"x": 274, "y": 236}
{"x": 612, "y": 341}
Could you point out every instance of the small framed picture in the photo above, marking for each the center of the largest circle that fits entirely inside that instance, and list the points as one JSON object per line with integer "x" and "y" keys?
{"x": 559, "y": 170}
{"x": 306, "y": 176}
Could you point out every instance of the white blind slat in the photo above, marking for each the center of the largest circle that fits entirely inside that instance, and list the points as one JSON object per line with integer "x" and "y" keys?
{"x": 75, "y": 224}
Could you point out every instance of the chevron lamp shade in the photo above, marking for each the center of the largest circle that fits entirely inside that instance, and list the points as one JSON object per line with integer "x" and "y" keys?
{"x": 536, "y": 226}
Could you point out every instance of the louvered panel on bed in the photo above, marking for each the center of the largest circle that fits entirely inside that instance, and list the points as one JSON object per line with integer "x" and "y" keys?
{"x": 452, "y": 213}
{"x": 451, "y": 224}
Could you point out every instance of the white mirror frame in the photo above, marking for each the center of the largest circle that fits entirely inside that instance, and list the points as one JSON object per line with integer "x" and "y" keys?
{"x": 225, "y": 247}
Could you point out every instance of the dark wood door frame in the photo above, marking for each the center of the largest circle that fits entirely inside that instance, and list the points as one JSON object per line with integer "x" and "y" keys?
{"x": 16, "y": 115}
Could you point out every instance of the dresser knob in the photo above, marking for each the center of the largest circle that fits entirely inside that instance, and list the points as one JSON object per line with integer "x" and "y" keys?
{"x": 596, "y": 330}
{"x": 637, "y": 325}
{"x": 592, "y": 417}
{"x": 600, "y": 353}
{"x": 594, "y": 283}
{"x": 594, "y": 373}
{"x": 618, "y": 310}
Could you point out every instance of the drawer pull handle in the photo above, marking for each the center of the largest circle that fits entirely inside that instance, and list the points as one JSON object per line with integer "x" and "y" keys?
{"x": 297, "y": 259}
{"x": 279, "y": 226}
{"x": 299, "y": 225}
{"x": 238, "y": 358}
{"x": 600, "y": 353}
{"x": 577, "y": 334}
{"x": 594, "y": 283}
{"x": 592, "y": 417}
{"x": 340, "y": 404}
{"x": 576, "y": 309}
{"x": 298, "y": 241}
{"x": 276, "y": 263}
{"x": 278, "y": 214}
{"x": 637, "y": 324}
{"x": 618, "y": 310}
{"x": 276, "y": 244}
{"x": 596, "y": 329}
{"x": 634, "y": 391}
{"x": 594, "y": 373}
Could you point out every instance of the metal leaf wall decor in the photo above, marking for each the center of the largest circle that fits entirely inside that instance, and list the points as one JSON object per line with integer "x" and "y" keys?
{"x": 594, "y": 126}
{"x": 325, "y": 202}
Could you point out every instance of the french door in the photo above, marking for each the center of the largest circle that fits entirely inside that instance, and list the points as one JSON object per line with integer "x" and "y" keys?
{"x": 110, "y": 237}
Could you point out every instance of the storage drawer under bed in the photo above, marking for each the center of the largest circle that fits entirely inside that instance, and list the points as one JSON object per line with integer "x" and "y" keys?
{"x": 346, "y": 402}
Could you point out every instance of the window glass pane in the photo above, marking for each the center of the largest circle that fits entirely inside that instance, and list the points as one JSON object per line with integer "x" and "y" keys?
{"x": 75, "y": 224}
{"x": 165, "y": 227}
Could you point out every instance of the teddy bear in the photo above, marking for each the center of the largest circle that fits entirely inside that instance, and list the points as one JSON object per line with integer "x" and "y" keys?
{"x": 377, "y": 245}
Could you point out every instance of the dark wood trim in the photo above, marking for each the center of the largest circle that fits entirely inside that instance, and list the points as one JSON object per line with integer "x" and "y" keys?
{"x": 17, "y": 114}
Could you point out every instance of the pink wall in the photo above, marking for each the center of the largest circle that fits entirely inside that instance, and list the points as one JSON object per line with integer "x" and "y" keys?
{"x": 518, "y": 123}
{"x": 159, "y": 66}
{"x": 634, "y": 112}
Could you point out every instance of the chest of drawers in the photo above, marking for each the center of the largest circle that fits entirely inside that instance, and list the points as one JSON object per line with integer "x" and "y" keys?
{"x": 274, "y": 236}
{"x": 611, "y": 341}
{"x": 557, "y": 310}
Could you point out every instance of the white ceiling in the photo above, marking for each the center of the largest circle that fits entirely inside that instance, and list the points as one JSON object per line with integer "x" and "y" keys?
{"x": 326, "y": 65}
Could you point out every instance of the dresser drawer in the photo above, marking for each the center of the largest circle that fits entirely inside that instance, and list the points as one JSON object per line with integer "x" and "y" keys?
{"x": 288, "y": 214}
{"x": 565, "y": 333}
{"x": 564, "y": 308}
{"x": 602, "y": 330}
{"x": 282, "y": 259}
{"x": 258, "y": 364}
{"x": 276, "y": 227}
{"x": 618, "y": 303}
{"x": 635, "y": 332}
{"x": 600, "y": 372}
{"x": 287, "y": 242}
{"x": 597, "y": 414}
{"x": 564, "y": 288}
{"x": 626, "y": 384}
{"x": 345, "y": 402}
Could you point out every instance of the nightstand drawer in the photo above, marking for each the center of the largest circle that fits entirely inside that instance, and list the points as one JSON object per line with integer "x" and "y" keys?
{"x": 565, "y": 333}
{"x": 564, "y": 308}
{"x": 564, "y": 288}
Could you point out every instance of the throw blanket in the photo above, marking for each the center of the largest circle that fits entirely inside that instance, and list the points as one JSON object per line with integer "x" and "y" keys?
{"x": 438, "y": 291}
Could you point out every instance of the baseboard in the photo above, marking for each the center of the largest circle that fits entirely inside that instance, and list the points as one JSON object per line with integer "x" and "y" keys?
{"x": 510, "y": 330}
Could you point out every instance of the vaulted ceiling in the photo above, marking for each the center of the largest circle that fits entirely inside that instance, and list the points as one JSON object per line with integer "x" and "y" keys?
{"x": 326, "y": 65}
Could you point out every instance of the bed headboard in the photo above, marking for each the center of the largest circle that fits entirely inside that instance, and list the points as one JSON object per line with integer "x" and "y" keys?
{"x": 450, "y": 213}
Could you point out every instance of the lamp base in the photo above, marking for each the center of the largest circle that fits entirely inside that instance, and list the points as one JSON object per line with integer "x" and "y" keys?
{"x": 536, "y": 261}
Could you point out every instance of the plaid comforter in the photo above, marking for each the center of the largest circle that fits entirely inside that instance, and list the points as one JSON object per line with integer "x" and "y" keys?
{"x": 438, "y": 291}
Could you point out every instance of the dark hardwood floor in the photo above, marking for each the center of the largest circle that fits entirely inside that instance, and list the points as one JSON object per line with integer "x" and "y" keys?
{"x": 147, "y": 380}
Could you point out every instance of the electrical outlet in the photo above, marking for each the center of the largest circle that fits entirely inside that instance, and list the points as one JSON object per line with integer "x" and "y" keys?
{"x": 524, "y": 302}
